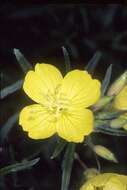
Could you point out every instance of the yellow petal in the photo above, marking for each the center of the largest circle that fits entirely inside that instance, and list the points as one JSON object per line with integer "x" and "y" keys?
{"x": 41, "y": 82}
{"x": 96, "y": 182}
{"x": 80, "y": 88}
{"x": 120, "y": 101}
{"x": 74, "y": 126}
{"x": 115, "y": 183}
{"x": 87, "y": 186}
{"x": 37, "y": 122}
{"x": 106, "y": 181}
{"x": 100, "y": 180}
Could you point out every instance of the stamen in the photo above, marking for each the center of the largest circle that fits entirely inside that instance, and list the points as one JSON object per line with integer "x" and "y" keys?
{"x": 56, "y": 103}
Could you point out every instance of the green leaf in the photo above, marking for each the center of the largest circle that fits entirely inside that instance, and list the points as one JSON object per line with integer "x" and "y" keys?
{"x": 106, "y": 80}
{"x": 11, "y": 89}
{"x": 25, "y": 164}
{"x": 67, "y": 165}
{"x": 103, "y": 102}
{"x": 109, "y": 131}
{"x": 7, "y": 126}
{"x": 24, "y": 64}
{"x": 93, "y": 62}
{"x": 108, "y": 115}
{"x": 67, "y": 59}
{"x": 59, "y": 148}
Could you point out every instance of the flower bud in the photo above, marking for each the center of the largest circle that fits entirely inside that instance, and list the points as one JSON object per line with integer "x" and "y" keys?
{"x": 107, "y": 115}
{"x": 105, "y": 153}
{"x": 120, "y": 101}
{"x": 125, "y": 126}
{"x": 117, "y": 86}
{"x": 90, "y": 173}
{"x": 119, "y": 122}
{"x": 102, "y": 102}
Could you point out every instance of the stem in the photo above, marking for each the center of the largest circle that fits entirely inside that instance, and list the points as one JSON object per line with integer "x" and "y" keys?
{"x": 91, "y": 145}
{"x": 80, "y": 161}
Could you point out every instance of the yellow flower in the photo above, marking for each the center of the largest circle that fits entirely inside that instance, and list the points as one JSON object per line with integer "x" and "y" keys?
{"x": 106, "y": 181}
{"x": 120, "y": 101}
{"x": 61, "y": 103}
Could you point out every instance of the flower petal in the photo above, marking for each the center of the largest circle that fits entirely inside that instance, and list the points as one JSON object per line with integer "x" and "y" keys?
{"x": 106, "y": 181}
{"x": 37, "y": 122}
{"x": 43, "y": 80}
{"x": 82, "y": 90}
{"x": 74, "y": 126}
{"x": 115, "y": 183}
{"x": 120, "y": 101}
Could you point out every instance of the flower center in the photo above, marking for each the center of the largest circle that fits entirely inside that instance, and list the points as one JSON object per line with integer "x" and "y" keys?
{"x": 99, "y": 188}
{"x": 56, "y": 103}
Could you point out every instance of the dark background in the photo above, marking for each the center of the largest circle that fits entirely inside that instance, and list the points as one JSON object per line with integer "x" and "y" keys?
{"x": 40, "y": 30}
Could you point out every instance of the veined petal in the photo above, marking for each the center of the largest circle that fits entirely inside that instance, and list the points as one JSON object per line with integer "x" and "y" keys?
{"x": 42, "y": 81}
{"x": 37, "y": 122}
{"x": 74, "y": 126}
{"x": 120, "y": 101}
{"x": 82, "y": 90}
{"x": 101, "y": 179}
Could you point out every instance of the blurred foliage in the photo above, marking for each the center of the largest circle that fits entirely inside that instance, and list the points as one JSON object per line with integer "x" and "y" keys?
{"x": 39, "y": 31}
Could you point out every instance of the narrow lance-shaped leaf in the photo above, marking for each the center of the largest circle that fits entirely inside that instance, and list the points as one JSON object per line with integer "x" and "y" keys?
{"x": 103, "y": 102}
{"x": 58, "y": 149}
{"x": 7, "y": 126}
{"x": 18, "y": 166}
{"x": 109, "y": 131}
{"x": 11, "y": 89}
{"x": 66, "y": 59}
{"x": 67, "y": 165}
{"x": 108, "y": 115}
{"x": 24, "y": 64}
{"x": 25, "y": 164}
{"x": 73, "y": 49}
{"x": 106, "y": 80}
{"x": 93, "y": 62}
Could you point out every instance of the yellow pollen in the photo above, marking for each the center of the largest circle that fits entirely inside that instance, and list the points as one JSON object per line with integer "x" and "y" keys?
{"x": 56, "y": 103}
